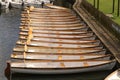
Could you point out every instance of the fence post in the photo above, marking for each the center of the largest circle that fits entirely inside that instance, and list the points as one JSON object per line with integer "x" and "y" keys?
{"x": 98, "y": 4}
{"x": 113, "y": 6}
{"x": 94, "y": 1}
{"x": 118, "y": 9}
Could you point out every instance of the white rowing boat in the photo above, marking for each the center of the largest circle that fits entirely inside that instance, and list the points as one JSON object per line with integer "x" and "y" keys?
{"x": 114, "y": 75}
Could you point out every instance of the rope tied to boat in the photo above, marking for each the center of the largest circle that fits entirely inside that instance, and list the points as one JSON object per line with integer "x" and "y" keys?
{"x": 25, "y": 48}
{"x": 59, "y": 57}
{"x": 85, "y": 63}
{"x": 30, "y": 35}
{"x": 81, "y": 57}
{"x": 31, "y": 8}
{"x": 62, "y": 64}
{"x": 24, "y": 55}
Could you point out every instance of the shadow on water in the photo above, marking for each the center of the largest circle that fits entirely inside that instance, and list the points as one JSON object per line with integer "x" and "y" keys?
{"x": 81, "y": 76}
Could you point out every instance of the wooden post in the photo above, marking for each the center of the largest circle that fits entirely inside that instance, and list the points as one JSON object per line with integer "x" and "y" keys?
{"x": 94, "y": 1}
{"x": 118, "y": 9}
{"x": 113, "y": 6}
{"x": 98, "y": 4}
{"x": 8, "y": 71}
{"x": 0, "y": 5}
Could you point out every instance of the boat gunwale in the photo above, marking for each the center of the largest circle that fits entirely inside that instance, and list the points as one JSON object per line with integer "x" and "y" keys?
{"x": 57, "y": 33}
{"x": 95, "y": 58}
{"x": 54, "y": 28}
{"x": 90, "y": 41}
{"x": 109, "y": 62}
{"x": 37, "y": 37}
{"x": 35, "y": 47}
{"x": 97, "y": 52}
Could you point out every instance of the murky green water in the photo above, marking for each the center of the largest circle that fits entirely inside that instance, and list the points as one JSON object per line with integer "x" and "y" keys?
{"x": 9, "y": 29}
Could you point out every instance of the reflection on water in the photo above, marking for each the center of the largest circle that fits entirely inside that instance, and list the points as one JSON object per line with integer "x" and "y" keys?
{"x": 82, "y": 76}
{"x": 9, "y": 29}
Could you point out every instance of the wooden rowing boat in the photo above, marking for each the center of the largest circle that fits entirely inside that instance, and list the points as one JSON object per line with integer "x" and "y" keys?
{"x": 57, "y": 16}
{"x": 114, "y": 75}
{"x": 66, "y": 19}
{"x": 56, "y": 32}
{"x": 50, "y": 19}
{"x": 56, "y": 7}
{"x": 49, "y": 25}
{"x": 100, "y": 52}
{"x": 46, "y": 14}
{"x": 49, "y": 10}
{"x": 58, "y": 45}
{"x": 39, "y": 31}
{"x": 50, "y": 22}
{"x": 47, "y": 20}
{"x": 37, "y": 56}
{"x": 61, "y": 33}
{"x": 36, "y": 10}
{"x": 37, "y": 38}
{"x": 64, "y": 41}
{"x": 54, "y": 28}
{"x": 60, "y": 67}
{"x": 55, "y": 50}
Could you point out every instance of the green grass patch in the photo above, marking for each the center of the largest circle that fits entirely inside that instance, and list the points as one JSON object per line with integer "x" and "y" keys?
{"x": 106, "y": 7}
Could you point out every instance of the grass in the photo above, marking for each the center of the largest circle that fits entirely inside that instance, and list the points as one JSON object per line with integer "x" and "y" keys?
{"x": 106, "y": 7}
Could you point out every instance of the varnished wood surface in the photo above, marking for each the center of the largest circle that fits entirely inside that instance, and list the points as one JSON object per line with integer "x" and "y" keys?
{"x": 64, "y": 41}
{"x": 65, "y": 19}
{"x": 33, "y": 56}
{"x": 56, "y": 7}
{"x": 50, "y": 22}
{"x": 56, "y": 50}
{"x": 40, "y": 31}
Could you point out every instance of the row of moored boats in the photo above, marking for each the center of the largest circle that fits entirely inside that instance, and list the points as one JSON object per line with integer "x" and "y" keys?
{"x": 55, "y": 41}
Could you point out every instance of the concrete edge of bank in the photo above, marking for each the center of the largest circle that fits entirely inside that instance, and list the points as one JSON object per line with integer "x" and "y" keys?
{"x": 108, "y": 39}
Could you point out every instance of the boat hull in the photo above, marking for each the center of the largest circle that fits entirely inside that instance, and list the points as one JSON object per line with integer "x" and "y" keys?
{"x": 63, "y": 71}
{"x": 114, "y": 76}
